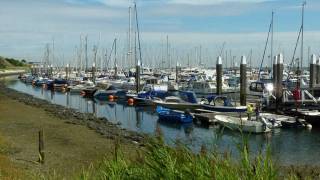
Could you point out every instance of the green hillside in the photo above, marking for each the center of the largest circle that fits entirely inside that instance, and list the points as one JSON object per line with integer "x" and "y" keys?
{"x": 7, "y": 63}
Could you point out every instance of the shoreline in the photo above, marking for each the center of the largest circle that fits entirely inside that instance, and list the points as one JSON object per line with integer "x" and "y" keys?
{"x": 101, "y": 125}
{"x": 8, "y": 72}
{"x": 73, "y": 141}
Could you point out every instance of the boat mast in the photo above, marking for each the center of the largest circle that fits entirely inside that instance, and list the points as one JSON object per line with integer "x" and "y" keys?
{"x": 115, "y": 55}
{"x": 86, "y": 52}
{"x": 168, "y": 58}
{"x": 137, "y": 24}
{"x": 302, "y": 23}
{"x": 129, "y": 37}
{"x": 271, "y": 46}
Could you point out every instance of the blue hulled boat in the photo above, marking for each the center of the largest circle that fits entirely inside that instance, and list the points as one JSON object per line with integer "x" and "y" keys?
{"x": 173, "y": 116}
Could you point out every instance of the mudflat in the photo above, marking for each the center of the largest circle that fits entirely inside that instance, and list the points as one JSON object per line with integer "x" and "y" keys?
{"x": 69, "y": 147}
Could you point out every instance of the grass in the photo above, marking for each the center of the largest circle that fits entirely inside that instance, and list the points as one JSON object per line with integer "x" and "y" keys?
{"x": 7, "y": 168}
{"x": 160, "y": 161}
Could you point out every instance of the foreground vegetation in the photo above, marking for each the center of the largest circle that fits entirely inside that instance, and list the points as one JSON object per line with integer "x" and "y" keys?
{"x": 159, "y": 161}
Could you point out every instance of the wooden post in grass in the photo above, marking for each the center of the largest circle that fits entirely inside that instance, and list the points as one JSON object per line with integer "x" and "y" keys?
{"x": 41, "y": 147}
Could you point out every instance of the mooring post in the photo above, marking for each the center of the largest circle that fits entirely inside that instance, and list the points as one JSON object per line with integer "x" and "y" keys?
{"x": 115, "y": 71}
{"x": 51, "y": 71}
{"x": 313, "y": 71}
{"x": 318, "y": 71}
{"x": 94, "y": 72}
{"x": 41, "y": 147}
{"x": 32, "y": 70}
{"x": 138, "y": 76}
{"x": 177, "y": 72}
{"x": 275, "y": 74}
{"x": 219, "y": 75}
{"x": 67, "y": 71}
{"x": 279, "y": 80}
{"x": 243, "y": 81}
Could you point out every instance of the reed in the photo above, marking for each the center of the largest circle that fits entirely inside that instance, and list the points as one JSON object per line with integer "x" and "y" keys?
{"x": 160, "y": 161}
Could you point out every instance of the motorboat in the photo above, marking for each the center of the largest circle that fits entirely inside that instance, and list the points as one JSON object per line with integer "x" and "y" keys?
{"x": 242, "y": 124}
{"x": 173, "y": 115}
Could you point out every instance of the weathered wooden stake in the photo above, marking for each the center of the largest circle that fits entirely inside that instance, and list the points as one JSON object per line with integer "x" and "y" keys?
{"x": 219, "y": 75}
{"x": 41, "y": 146}
{"x": 243, "y": 81}
{"x": 313, "y": 71}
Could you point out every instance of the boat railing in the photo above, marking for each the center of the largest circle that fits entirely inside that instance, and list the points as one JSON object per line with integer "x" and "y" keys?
{"x": 306, "y": 97}
{"x": 310, "y": 96}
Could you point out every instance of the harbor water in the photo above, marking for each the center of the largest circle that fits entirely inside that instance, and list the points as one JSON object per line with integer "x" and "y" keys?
{"x": 288, "y": 146}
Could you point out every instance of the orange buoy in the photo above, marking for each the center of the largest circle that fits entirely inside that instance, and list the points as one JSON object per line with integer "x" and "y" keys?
{"x": 130, "y": 101}
{"x": 111, "y": 97}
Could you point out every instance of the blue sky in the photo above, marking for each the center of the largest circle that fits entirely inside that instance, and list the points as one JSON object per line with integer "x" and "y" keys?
{"x": 27, "y": 25}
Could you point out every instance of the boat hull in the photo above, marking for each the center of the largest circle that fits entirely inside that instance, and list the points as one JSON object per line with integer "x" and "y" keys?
{"x": 242, "y": 125}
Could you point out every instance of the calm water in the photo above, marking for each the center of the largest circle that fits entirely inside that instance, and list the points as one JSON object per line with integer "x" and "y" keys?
{"x": 288, "y": 146}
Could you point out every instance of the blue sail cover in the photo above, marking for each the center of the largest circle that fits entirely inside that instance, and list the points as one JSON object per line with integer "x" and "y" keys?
{"x": 188, "y": 96}
{"x": 152, "y": 94}
{"x": 226, "y": 100}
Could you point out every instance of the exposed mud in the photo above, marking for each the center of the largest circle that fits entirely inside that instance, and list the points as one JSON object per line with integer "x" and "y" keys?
{"x": 100, "y": 125}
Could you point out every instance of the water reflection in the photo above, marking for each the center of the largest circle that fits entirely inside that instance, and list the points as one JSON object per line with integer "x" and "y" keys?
{"x": 288, "y": 146}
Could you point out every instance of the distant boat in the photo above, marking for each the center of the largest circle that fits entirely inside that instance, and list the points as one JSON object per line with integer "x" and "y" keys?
{"x": 173, "y": 116}
{"x": 80, "y": 87}
{"x": 104, "y": 94}
{"x": 242, "y": 124}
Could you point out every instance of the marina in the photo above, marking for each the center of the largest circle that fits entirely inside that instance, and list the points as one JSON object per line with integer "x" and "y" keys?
{"x": 289, "y": 145}
{"x": 170, "y": 89}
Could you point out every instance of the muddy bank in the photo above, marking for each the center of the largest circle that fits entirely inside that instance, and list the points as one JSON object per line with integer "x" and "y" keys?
{"x": 100, "y": 125}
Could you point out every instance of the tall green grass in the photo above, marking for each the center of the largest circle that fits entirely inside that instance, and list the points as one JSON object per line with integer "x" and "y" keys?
{"x": 160, "y": 161}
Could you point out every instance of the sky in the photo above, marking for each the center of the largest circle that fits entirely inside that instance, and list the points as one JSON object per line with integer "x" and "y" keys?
{"x": 239, "y": 26}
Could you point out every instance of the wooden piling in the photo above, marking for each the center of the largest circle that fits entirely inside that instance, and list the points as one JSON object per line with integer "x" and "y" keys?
{"x": 274, "y": 74}
{"x": 94, "y": 73}
{"x": 219, "y": 75}
{"x": 67, "y": 72}
{"x": 243, "y": 81}
{"x": 51, "y": 71}
{"x": 313, "y": 71}
{"x": 41, "y": 147}
{"x": 177, "y": 72}
{"x": 138, "y": 76}
{"x": 115, "y": 71}
{"x": 318, "y": 72}
{"x": 279, "y": 88}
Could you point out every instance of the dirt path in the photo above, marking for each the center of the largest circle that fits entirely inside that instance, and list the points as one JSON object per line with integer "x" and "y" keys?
{"x": 68, "y": 147}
